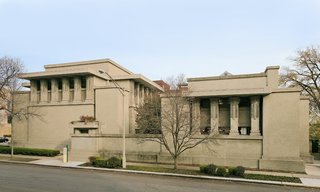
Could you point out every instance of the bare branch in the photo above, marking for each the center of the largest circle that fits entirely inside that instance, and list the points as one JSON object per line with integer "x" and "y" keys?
{"x": 306, "y": 74}
{"x": 178, "y": 129}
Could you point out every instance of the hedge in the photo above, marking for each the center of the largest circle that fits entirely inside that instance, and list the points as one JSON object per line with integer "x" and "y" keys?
{"x": 208, "y": 169}
{"x": 221, "y": 171}
{"x": 212, "y": 169}
{"x": 29, "y": 151}
{"x": 237, "y": 171}
{"x": 113, "y": 162}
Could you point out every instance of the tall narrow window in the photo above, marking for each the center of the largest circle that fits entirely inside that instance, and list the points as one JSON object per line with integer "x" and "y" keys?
{"x": 205, "y": 116}
{"x": 59, "y": 90}
{"x": 38, "y": 85}
{"x": 83, "y": 82}
{"x": 60, "y": 84}
{"x": 71, "y": 83}
{"x": 49, "y": 84}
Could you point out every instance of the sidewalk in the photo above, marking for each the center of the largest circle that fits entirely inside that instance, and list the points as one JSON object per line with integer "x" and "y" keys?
{"x": 311, "y": 179}
{"x": 313, "y": 174}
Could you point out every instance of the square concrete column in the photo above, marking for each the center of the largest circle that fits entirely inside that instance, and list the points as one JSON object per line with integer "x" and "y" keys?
{"x": 132, "y": 111}
{"x": 43, "y": 90}
{"x": 138, "y": 94}
{"x": 255, "y": 115}
{"x": 214, "y": 113}
{"x": 196, "y": 115}
{"x": 54, "y": 90}
{"x": 234, "y": 115}
{"x": 77, "y": 89}
{"x": 147, "y": 92}
{"x": 142, "y": 94}
{"x": 65, "y": 90}
{"x": 33, "y": 91}
{"x": 89, "y": 88}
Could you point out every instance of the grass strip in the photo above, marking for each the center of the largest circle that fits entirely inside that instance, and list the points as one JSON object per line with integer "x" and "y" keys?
{"x": 20, "y": 159}
{"x": 197, "y": 172}
{"x": 272, "y": 178}
{"x": 164, "y": 170}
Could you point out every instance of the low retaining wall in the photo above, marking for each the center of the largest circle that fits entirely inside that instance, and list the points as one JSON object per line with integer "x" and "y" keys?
{"x": 226, "y": 151}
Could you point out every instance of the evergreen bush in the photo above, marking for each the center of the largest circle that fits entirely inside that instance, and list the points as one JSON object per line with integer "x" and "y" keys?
{"x": 221, "y": 171}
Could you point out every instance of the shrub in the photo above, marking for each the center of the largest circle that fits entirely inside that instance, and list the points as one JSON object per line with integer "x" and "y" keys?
{"x": 221, "y": 171}
{"x": 29, "y": 151}
{"x": 86, "y": 118}
{"x": 100, "y": 163}
{"x": 114, "y": 162}
{"x": 208, "y": 169}
{"x": 231, "y": 171}
{"x": 211, "y": 169}
{"x": 203, "y": 168}
{"x": 92, "y": 159}
{"x": 238, "y": 171}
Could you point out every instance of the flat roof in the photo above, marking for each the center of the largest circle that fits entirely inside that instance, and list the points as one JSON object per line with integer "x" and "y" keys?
{"x": 230, "y": 76}
{"x": 82, "y": 71}
{"x": 79, "y": 63}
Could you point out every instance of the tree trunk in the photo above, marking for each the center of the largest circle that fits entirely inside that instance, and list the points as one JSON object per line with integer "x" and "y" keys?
{"x": 175, "y": 163}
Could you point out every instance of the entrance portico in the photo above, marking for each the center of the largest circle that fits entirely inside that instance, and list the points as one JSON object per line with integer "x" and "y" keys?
{"x": 230, "y": 115}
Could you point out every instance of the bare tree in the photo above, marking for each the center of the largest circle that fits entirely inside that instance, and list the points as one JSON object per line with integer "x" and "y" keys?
{"x": 10, "y": 68}
{"x": 177, "y": 126}
{"x": 306, "y": 74}
{"x": 149, "y": 114}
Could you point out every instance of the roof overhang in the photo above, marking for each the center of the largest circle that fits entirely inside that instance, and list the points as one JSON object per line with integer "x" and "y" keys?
{"x": 140, "y": 79}
{"x": 85, "y": 72}
{"x": 254, "y": 75}
{"x": 229, "y": 92}
{"x": 60, "y": 73}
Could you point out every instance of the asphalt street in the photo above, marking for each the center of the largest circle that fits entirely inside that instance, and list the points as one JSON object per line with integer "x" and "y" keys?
{"x": 31, "y": 178}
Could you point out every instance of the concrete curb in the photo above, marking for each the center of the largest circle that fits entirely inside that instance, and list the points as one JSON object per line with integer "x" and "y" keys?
{"x": 170, "y": 174}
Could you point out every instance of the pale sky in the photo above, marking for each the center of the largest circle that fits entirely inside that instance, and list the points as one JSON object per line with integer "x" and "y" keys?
{"x": 160, "y": 38}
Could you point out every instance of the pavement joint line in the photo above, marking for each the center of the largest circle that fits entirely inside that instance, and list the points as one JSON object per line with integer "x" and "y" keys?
{"x": 170, "y": 174}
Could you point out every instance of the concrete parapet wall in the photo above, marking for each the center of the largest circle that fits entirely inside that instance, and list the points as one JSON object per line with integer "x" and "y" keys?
{"x": 282, "y": 165}
{"x": 224, "y": 151}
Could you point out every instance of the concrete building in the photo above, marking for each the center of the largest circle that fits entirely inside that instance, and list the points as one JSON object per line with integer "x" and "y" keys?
{"x": 63, "y": 93}
{"x": 260, "y": 125}
{"x": 5, "y": 126}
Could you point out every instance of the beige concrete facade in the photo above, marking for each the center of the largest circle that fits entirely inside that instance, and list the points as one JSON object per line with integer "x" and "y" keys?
{"x": 64, "y": 92}
{"x": 5, "y": 126}
{"x": 259, "y": 125}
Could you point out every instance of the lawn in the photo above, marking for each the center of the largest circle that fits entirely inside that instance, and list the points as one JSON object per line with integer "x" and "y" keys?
{"x": 21, "y": 159}
{"x": 197, "y": 172}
